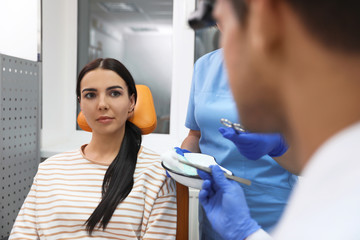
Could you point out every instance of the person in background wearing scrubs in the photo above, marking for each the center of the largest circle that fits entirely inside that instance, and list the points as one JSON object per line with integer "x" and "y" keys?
{"x": 210, "y": 100}
{"x": 294, "y": 68}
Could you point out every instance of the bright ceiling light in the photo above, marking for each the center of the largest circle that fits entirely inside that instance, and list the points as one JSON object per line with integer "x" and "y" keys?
{"x": 117, "y": 7}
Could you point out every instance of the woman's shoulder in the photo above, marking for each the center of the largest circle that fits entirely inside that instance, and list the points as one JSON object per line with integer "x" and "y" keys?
{"x": 149, "y": 160}
{"x": 148, "y": 156}
{"x": 147, "y": 153}
{"x": 65, "y": 157}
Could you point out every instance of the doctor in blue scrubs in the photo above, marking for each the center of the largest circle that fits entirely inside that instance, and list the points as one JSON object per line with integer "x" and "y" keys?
{"x": 210, "y": 100}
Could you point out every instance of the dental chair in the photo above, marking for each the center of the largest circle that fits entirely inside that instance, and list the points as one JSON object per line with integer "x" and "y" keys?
{"x": 145, "y": 118}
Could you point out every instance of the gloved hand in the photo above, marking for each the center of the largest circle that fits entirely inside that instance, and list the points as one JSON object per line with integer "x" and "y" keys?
{"x": 181, "y": 151}
{"x": 255, "y": 145}
{"x": 224, "y": 203}
{"x": 178, "y": 151}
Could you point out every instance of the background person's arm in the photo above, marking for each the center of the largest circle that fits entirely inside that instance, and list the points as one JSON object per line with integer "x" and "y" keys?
{"x": 191, "y": 142}
{"x": 287, "y": 161}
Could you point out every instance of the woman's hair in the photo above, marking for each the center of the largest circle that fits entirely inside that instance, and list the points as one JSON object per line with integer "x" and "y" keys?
{"x": 118, "y": 179}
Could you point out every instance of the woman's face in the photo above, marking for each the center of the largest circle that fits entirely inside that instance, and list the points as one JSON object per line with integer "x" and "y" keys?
{"x": 105, "y": 101}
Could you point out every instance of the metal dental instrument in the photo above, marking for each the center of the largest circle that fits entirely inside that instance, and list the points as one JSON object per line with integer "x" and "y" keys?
{"x": 208, "y": 170}
{"x": 236, "y": 126}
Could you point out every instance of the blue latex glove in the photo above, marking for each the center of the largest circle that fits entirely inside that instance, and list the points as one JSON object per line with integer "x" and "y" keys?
{"x": 224, "y": 203}
{"x": 255, "y": 145}
{"x": 181, "y": 151}
{"x": 178, "y": 151}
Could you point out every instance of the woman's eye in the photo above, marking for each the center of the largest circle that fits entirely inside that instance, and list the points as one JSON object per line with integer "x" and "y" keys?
{"x": 115, "y": 93}
{"x": 89, "y": 95}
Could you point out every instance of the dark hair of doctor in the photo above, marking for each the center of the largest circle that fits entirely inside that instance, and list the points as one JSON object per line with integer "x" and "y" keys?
{"x": 335, "y": 23}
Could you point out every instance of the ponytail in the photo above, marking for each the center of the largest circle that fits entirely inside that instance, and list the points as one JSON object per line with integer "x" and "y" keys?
{"x": 118, "y": 180}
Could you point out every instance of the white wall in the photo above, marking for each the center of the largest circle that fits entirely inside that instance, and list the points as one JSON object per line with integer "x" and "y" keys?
{"x": 19, "y": 24}
{"x": 59, "y": 78}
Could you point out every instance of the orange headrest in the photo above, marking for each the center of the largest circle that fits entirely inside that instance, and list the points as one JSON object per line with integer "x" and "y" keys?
{"x": 144, "y": 113}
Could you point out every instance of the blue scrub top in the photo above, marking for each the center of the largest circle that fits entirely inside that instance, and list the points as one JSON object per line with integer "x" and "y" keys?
{"x": 210, "y": 100}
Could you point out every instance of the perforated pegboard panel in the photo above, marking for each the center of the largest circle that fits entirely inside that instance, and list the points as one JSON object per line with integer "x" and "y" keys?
{"x": 19, "y": 135}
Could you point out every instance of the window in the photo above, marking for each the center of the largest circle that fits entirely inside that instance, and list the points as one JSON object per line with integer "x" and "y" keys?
{"x": 139, "y": 34}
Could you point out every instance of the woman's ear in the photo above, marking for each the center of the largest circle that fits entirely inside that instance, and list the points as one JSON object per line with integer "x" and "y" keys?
{"x": 79, "y": 101}
{"x": 132, "y": 105}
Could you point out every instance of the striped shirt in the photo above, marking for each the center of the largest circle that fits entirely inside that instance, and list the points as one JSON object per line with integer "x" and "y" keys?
{"x": 67, "y": 189}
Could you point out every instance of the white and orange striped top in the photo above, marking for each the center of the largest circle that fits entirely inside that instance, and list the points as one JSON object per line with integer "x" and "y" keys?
{"x": 67, "y": 189}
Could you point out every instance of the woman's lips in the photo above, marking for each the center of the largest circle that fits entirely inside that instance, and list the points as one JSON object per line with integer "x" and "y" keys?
{"x": 105, "y": 119}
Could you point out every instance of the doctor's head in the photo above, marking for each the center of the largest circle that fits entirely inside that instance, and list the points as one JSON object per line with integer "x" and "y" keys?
{"x": 271, "y": 45}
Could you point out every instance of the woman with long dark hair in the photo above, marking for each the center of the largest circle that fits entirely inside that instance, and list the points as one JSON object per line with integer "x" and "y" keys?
{"x": 111, "y": 188}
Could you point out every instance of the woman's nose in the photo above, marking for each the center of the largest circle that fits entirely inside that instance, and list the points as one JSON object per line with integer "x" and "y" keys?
{"x": 103, "y": 105}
